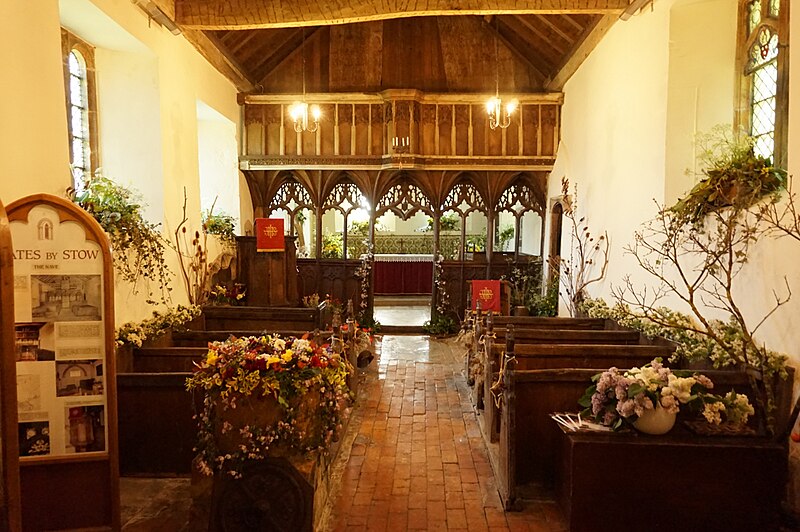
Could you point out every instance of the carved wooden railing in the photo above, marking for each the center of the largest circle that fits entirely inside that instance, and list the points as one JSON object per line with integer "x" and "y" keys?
{"x": 443, "y": 131}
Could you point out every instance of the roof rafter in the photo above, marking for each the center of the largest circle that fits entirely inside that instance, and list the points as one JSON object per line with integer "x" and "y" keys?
{"x": 514, "y": 50}
{"x": 215, "y": 53}
{"x": 580, "y": 52}
{"x": 251, "y": 14}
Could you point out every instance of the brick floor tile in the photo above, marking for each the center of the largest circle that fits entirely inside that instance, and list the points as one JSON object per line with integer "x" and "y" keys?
{"x": 417, "y": 519}
{"x": 419, "y": 461}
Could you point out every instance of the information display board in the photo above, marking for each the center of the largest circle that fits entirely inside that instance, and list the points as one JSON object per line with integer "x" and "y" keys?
{"x": 10, "y": 513}
{"x": 63, "y": 300}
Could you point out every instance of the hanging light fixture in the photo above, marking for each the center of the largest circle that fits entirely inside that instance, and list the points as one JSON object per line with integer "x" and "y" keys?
{"x": 499, "y": 114}
{"x": 305, "y": 117}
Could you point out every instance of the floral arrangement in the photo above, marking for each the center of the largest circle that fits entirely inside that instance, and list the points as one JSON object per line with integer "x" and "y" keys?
{"x": 221, "y": 295}
{"x": 303, "y": 381}
{"x": 691, "y": 346}
{"x": 138, "y": 245}
{"x": 441, "y": 322}
{"x": 220, "y": 224}
{"x": 617, "y": 398}
{"x": 311, "y": 301}
{"x": 332, "y": 246}
{"x": 364, "y": 274}
{"x": 734, "y": 176}
{"x": 134, "y": 333}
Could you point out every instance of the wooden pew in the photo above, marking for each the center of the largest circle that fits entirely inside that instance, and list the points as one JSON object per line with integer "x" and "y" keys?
{"x": 529, "y": 438}
{"x": 535, "y": 355}
{"x": 153, "y": 390}
{"x": 261, "y": 318}
{"x": 537, "y": 329}
{"x": 157, "y": 434}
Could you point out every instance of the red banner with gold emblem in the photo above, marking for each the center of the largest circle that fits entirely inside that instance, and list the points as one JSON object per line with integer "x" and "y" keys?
{"x": 269, "y": 234}
{"x": 488, "y": 292}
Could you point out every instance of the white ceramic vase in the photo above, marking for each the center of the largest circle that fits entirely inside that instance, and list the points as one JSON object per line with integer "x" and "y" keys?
{"x": 656, "y": 421}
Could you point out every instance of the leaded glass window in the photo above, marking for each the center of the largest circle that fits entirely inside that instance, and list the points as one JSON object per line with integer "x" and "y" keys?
{"x": 78, "y": 118}
{"x": 764, "y": 86}
{"x": 763, "y": 67}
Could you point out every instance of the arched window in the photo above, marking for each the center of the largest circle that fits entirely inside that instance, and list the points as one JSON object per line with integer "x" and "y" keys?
{"x": 78, "y": 117}
{"x": 81, "y": 103}
{"x": 763, "y": 47}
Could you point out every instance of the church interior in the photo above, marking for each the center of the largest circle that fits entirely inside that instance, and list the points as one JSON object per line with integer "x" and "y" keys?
{"x": 382, "y": 265}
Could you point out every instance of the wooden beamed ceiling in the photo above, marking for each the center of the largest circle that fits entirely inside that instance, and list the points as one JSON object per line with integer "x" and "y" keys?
{"x": 252, "y": 42}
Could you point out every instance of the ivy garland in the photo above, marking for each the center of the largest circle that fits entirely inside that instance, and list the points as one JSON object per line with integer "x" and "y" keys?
{"x": 137, "y": 245}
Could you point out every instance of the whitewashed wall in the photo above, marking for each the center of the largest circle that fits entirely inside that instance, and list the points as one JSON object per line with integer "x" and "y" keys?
{"x": 630, "y": 114}
{"x": 148, "y": 84}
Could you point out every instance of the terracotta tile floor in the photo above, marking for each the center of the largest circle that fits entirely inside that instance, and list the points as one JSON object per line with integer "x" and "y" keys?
{"x": 418, "y": 461}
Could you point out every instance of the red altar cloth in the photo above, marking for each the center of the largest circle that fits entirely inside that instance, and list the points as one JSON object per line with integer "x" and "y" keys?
{"x": 401, "y": 277}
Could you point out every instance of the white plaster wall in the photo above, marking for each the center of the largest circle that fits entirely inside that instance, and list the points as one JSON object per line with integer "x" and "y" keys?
{"x": 218, "y": 160}
{"x": 33, "y": 117}
{"x": 613, "y": 134}
{"x": 149, "y": 81}
{"x": 701, "y": 83}
{"x": 129, "y": 123}
{"x": 245, "y": 206}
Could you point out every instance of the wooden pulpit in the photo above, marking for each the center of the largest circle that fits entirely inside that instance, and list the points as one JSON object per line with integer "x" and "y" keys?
{"x": 271, "y": 279}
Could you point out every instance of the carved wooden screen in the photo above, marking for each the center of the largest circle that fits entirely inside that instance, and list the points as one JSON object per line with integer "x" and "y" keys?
{"x": 464, "y": 199}
{"x": 518, "y": 199}
{"x": 347, "y": 198}
{"x": 291, "y": 197}
{"x": 405, "y": 200}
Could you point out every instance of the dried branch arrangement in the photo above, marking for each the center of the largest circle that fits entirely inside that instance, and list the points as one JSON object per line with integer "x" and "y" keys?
{"x": 586, "y": 252}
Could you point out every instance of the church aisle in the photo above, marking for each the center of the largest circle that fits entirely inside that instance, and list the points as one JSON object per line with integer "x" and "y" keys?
{"x": 418, "y": 461}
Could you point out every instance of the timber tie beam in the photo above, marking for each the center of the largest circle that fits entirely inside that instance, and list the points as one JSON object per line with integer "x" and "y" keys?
{"x": 253, "y": 14}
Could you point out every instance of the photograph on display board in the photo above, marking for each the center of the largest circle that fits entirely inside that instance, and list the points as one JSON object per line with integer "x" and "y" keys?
{"x": 29, "y": 393}
{"x": 66, "y": 298}
{"x": 34, "y": 438}
{"x": 85, "y": 429}
{"x": 79, "y": 377}
{"x": 34, "y": 342}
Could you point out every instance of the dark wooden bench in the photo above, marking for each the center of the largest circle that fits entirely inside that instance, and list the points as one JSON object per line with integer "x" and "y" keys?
{"x": 529, "y": 438}
{"x": 261, "y": 318}
{"x": 156, "y": 431}
{"x": 530, "y": 356}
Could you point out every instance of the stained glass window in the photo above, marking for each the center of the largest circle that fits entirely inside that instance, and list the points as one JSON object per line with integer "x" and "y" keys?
{"x": 761, "y": 68}
{"x": 78, "y": 115}
{"x": 754, "y": 16}
{"x": 774, "y": 8}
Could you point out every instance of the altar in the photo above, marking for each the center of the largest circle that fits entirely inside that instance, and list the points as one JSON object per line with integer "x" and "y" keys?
{"x": 406, "y": 273}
